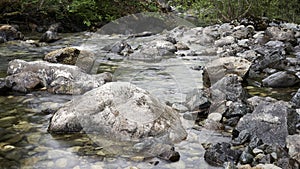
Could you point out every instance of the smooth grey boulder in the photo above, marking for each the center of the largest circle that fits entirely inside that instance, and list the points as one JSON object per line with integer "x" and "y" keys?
{"x": 220, "y": 67}
{"x": 119, "y": 110}
{"x": 57, "y": 78}
{"x": 281, "y": 79}
{"x": 267, "y": 122}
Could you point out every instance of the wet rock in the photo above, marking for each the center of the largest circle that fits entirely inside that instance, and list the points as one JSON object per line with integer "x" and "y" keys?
{"x": 8, "y": 33}
{"x": 197, "y": 100}
{"x": 218, "y": 68}
{"x": 267, "y": 122}
{"x": 220, "y": 153}
{"x": 268, "y": 58}
{"x": 296, "y": 98}
{"x": 118, "y": 110}
{"x": 85, "y": 61}
{"x": 3, "y": 88}
{"x": 228, "y": 40}
{"x": 66, "y": 55}
{"x": 281, "y": 79}
{"x": 293, "y": 144}
{"x": 119, "y": 48}
{"x": 51, "y": 34}
{"x": 57, "y": 78}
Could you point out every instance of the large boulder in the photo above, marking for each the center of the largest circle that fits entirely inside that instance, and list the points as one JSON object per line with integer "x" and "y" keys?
{"x": 218, "y": 68}
{"x": 119, "y": 110}
{"x": 281, "y": 79}
{"x": 8, "y": 32}
{"x": 57, "y": 78}
{"x": 267, "y": 122}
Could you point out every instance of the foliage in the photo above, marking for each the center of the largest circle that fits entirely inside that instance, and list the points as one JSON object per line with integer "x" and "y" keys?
{"x": 228, "y": 10}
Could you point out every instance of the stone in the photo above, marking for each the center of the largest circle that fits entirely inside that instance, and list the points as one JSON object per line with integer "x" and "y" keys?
{"x": 267, "y": 122}
{"x": 243, "y": 137}
{"x": 153, "y": 51}
{"x": 118, "y": 110}
{"x": 66, "y": 55}
{"x": 246, "y": 158}
{"x": 231, "y": 87}
{"x": 51, "y": 34}
{"x": 9, "y": 32}
{"x": 281, "y": 79}
{"x": 220, "y": 153}
{"x": 3, "y": 88}
{"x": 228, "y": 40}
{"x": 296, "y": 98}
{"x": 217, "y": 117}
{"x": 281, "y": 35}
{"x": 57, "y": 78}
{"x": 293, "y": 144}
{"x": 217, "y": 69}
{"x": 196, "y": 100}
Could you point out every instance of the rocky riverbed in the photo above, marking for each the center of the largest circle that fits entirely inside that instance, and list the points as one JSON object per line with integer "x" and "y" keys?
{"x": 200, "y": 97}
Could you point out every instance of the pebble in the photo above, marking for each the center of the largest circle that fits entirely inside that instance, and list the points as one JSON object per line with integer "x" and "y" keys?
{"x": 215, "y": 117}
{"x": 61, "y": 163}
{"x": 257, "y": 151}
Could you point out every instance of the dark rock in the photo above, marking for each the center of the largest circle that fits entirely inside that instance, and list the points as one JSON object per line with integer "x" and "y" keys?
{"x": 267, "y": 122}
{"x": 197, "y": 100}
{"x": 51, "y": 34}
{"x": 119, "y": 111}
{"x": 220, "y": 153}
{"x": 170, "y": 155}
{"x": 231, "y": 87}
{"x": 3, "y": 88}
{"x": 57, "y": 78}
{"x": 281, "y": 79}
{"x": 243, "y": 137}
{"x": 255, "y": 142}
{"x": 237, "y": 109}
{"x": 288, "y": 163}
{"x": 296, "y": 98}
{"x": 268, "y": 58}
{"x": 8, "y": 33}
{"x": 67, "y": 56}
{"x": 246, "y": 158}
{"x": 218, "y": 68}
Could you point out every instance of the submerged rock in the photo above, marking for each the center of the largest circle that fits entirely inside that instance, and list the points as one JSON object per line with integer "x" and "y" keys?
{"x": 57, "y": 78}
{"x": 218, "y": 68}
{"x": 119, "y": 110}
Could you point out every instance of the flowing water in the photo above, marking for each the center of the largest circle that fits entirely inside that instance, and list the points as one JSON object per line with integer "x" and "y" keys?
{"x": 24, "y": 118}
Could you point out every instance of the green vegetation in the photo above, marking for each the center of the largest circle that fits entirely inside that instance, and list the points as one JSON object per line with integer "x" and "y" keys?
{"x": 88, "y": 13}
{"x": 213, "y": 11}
